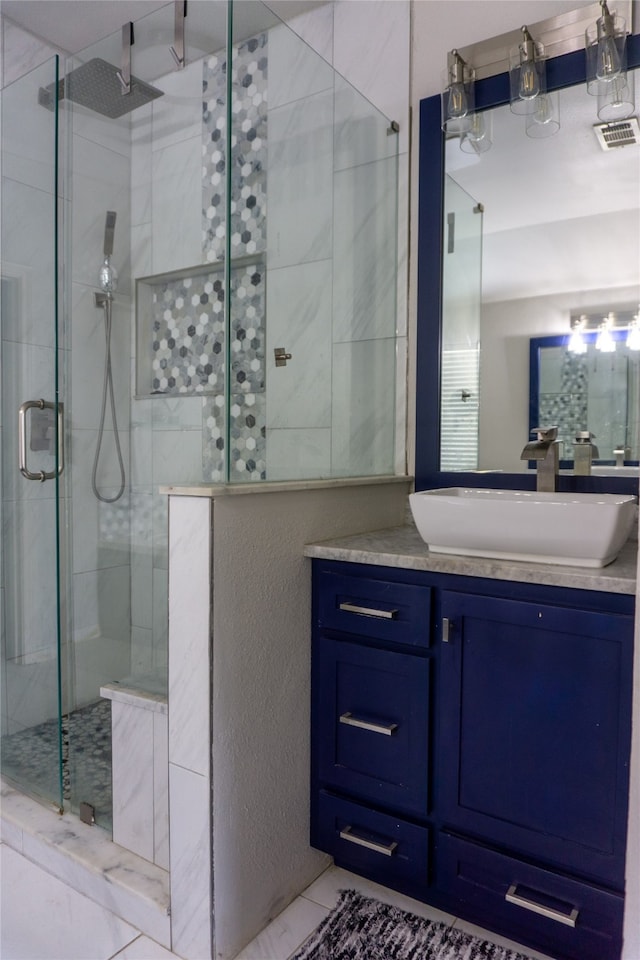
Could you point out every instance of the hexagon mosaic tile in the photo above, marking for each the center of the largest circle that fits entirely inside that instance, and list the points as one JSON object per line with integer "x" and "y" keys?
{"x": 188, "y": 332}
{"x": 247, "y": 429}
{"x": 248, "y": 224}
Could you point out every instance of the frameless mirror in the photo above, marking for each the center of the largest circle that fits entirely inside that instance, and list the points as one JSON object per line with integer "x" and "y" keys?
{"x": 528, "y": 233}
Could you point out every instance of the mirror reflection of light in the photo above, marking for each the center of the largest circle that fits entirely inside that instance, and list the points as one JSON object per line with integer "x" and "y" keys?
{"x": 633, "y": 336}
{"x": 576, "y": 340}
{"x": 604, "y": 341}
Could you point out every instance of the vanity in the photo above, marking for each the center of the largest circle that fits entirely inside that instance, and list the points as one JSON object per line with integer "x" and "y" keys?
{"x": 471, "y": 726}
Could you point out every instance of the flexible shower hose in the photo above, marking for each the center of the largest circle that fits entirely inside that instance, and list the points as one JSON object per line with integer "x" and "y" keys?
{"x": 107, "y": 387}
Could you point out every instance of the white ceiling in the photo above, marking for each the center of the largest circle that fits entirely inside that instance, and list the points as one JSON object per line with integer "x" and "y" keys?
{"x": 559, "y": 213}
{"x": 72, "y": 25}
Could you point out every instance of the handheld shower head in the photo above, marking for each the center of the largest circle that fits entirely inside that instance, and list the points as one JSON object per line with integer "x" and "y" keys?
{"x": 107, "y": 275}
{"x": 109, "y": 230}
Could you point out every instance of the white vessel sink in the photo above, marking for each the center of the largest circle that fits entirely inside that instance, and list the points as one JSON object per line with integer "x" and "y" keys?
{"x": 580, "y": 529}
{"x": 615, "y": 471}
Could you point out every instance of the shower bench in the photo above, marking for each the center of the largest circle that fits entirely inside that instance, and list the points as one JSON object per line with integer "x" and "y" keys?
{"x": 140, "y": 765}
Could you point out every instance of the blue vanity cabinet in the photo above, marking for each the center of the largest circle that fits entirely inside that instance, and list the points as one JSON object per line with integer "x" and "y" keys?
{"x": 535, "y": 706}
{"x": 370, "y": 719}
{"x": 470, "y": 747}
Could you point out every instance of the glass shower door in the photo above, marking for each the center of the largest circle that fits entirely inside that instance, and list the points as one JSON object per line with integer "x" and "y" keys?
{"x": 31, "y": 428}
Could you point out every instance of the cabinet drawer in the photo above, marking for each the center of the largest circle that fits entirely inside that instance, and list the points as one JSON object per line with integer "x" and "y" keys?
{"x": 370, "y": 709}
{"x": 389, "y": 850}
{"x": 552, "y": 913}
{"x": 384, "y": 610}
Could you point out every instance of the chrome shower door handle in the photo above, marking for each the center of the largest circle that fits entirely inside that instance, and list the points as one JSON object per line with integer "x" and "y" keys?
{"x": 40, "y": 475}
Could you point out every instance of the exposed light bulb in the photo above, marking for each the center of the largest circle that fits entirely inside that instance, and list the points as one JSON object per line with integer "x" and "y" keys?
{"x": 529, "y": 82}
{"x": 607, "y": 59}
{"x": 458, "y": 102}
{"x": 608, "y": 62}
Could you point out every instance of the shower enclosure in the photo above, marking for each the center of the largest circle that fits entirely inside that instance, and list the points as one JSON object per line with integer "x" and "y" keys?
{"x": 207, "y": 261}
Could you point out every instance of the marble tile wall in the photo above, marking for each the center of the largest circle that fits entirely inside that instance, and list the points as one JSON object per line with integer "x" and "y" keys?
{"x": 190, "y": 725}
{"x": 139, "y": 744}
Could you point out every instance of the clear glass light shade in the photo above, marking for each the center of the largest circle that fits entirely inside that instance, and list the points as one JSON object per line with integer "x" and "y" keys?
{"x": 606, "y": 51}
{"x": 544, "y": 120}
{"x": 458, "y": 95}
{"x": 527, "y": 74}
{"x": 616, "y": 100}
{"x": 478, "y": 137}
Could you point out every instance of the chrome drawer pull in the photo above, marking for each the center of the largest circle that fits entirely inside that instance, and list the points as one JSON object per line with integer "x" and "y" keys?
{"x": 387, "y": 849}
{"x": 369, "y": 611}
{"x": 386, "y": 728}
{"x": 569, "y": 919}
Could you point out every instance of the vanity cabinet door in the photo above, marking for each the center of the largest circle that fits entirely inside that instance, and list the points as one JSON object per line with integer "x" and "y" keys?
{"x": 535, "y": 731}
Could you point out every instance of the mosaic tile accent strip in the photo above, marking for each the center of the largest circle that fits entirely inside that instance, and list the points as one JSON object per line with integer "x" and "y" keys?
{"x": 188, "y": 330}
{"x": 568, "y": 408}
{"x": 248, "y": 430}
{"x": 248, "y": 169}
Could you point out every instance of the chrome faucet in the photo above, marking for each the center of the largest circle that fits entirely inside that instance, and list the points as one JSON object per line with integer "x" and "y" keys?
{"x": 544, "y": 450}
{"x": 621, "y": 453}
{"x": 584, "y": 451}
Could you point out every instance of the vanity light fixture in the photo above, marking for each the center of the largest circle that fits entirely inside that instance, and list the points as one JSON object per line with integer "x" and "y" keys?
{"x": 528, "y": 86}
{"x": 604, "y": 341}
{"x": 576, "y": 340}
{"x": 606, "y": 55}
{"x": 633, "y": 335}
{"x": 527, "y": 73}
{"x": 458, "y": 96}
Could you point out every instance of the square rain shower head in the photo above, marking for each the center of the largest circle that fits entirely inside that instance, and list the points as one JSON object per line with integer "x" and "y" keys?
{"x": 96, "y": 85}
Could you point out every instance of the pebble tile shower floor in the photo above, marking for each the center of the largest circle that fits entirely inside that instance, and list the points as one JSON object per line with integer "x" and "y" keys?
{"x": 31, "y": 757}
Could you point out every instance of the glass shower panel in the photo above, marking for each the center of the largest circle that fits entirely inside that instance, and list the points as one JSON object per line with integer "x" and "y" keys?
{"x": 312, "y": 277}
{"x": 461, "y": 307}
{"x": 364, "y": 287}
{"x": 144, "y": 165}
{"x": 32, "y": 425}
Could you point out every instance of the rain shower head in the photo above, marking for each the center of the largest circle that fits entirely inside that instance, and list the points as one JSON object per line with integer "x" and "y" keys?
{"x": 97, "y": 85}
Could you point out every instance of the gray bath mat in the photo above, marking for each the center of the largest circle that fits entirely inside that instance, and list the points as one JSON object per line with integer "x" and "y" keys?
{"x": 360, "y": 928}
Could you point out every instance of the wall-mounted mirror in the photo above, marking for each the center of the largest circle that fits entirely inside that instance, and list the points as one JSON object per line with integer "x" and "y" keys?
{"x": 517, "y": 240}
{"x": 590, "y": 391}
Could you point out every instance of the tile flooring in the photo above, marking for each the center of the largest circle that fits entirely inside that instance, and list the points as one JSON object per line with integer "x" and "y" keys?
{"x": 44, "y": 919}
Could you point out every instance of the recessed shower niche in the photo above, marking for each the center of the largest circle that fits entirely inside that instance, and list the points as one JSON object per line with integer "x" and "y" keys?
{"x": 182, "y": 351}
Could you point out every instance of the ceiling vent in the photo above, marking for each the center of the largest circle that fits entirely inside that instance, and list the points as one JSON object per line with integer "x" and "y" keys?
{"x": 620, "y": 133}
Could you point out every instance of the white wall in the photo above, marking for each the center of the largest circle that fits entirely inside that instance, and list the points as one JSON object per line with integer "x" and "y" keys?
{"x": 255, "y": 652}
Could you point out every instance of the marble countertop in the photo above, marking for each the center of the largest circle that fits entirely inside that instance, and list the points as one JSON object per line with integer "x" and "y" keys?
{"x": 403, "y": 547}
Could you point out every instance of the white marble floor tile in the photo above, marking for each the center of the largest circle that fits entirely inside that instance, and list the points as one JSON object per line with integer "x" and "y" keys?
{"x": 326, "y": 888}
{"x": 43, "y": 919}
{"x": 143, "y": 948}
{"x": 285, "y": 934}
{"x": 500, "y": 941}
